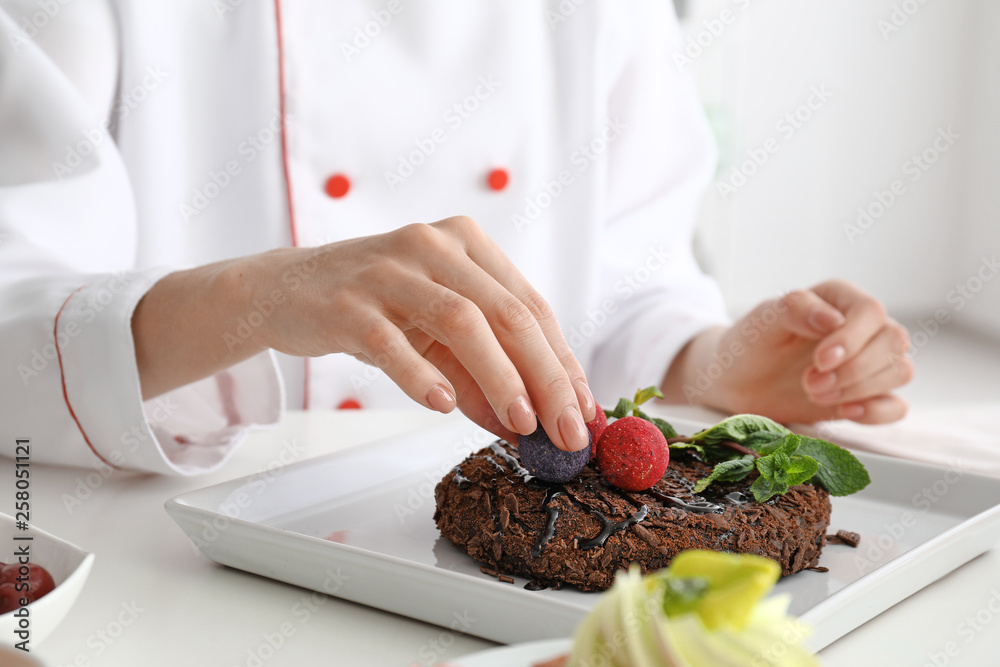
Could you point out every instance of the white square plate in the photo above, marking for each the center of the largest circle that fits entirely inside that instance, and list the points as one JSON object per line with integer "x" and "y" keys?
{"x": 358, "y": 524}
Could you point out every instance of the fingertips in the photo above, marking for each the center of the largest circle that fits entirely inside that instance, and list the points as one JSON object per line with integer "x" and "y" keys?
{"x": 572, "y": 430}
{"x": 865, "y": 319}
{"x": 522, "y": 416}
{"x": 877, "y": 410}
{"x": 803, "y": 313}
{"x": 587, "y": 404}
{"x": 441, "y": 399}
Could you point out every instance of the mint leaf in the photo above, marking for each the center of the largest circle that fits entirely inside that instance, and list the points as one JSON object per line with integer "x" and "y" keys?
{"x": 801, "y": 470}
{"x": 623, "y": 408}
{"x": 763, "y": 442}
{"x": 764, "y": 488}
{"x": 665, "y": 428}
{"x": 786, "y": 445}
{"x": 677, "y": 446}
{"x": 727, "y": 471}
{"x": 784, "y": 468}
{"x": 738, "y": 428}
{"x": 840, "y": 472}
{"x": 773, "y": 479}
{"x": 643, "y": 395}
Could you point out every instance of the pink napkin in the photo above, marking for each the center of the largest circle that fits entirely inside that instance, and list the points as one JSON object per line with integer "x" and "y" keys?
{"x": 967, "y": 438}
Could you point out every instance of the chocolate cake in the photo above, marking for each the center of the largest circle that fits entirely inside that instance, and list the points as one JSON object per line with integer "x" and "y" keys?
{"x": 583, "y": 531}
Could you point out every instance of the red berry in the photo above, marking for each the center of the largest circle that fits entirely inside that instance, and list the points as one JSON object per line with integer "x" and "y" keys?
{"x": 596, "y": 427}
{"x": 38, "y": 578}
{"x": 10, "y": 599}
{"x": 633, "y": 454}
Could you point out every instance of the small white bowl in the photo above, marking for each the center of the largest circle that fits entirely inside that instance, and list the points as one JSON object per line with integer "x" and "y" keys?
{"x": 69, "y": 566}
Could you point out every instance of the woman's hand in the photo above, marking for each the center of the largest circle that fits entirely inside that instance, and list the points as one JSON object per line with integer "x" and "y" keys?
{"x": 826, "y": 353}
{"x": 439, "y": 308}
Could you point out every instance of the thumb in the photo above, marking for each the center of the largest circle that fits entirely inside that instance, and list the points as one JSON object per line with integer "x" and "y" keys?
{"x": 805, "y": 314}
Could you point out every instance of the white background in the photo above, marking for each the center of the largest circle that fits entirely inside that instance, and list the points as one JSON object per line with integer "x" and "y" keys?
{"x": 891, "y": 92}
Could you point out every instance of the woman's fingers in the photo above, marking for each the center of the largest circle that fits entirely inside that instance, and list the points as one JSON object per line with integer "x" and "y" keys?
{"x": 471, "y": 400}
{"x": 865, "y": 317}
{"x": 527, "y": 331}
{"x": 876, "y": 410}
{"x": 385, "y": 346}
{"x": 880, "y": 367}
{"x": 459, "y": 324}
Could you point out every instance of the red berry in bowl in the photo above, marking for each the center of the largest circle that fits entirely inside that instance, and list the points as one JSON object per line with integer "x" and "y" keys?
{"x": 38, "y": 578}
{"x": 10, "y": 599}
{"x": 632, "y": 454}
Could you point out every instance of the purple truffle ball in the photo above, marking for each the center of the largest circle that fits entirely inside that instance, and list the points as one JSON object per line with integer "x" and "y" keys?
{"x": 547, "y": 462}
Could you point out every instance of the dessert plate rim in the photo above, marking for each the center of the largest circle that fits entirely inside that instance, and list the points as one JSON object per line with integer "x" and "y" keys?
{"x": 258, "y": 539}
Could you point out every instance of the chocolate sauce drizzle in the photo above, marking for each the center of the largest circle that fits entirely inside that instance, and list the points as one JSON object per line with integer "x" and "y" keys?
{"x": 514, "y": 464}
{"x": 460, "y": 479}
{"x": 695, "y": 507}
{"x": 552, "y": 515}
{"x": 608, "y": 526}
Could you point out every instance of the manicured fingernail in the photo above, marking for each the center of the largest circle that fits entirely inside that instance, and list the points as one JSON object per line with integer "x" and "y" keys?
{"x": 572, "y": 429}
{"x": 440, "y": 399}
{"x": 585, "y": 398}
{"x": 830, "y": 358}
{"x": 853, "y": 411}
{"x": 522, "y": 416}
{"x": 825, "y": 320}
{"x": 821, "y": 384}
{"x": 829, "y": 398}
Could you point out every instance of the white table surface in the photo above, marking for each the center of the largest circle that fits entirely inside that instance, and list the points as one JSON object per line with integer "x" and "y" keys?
{"x": 192, "y": 612}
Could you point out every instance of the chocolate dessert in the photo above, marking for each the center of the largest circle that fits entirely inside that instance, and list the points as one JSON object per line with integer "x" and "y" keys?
{"x": 583, "y": 531}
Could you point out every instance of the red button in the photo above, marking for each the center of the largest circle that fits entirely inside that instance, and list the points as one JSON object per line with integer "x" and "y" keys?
{"x": 337, "y": 186}
{"x": 497, "y": 179}
{"x": 349, "y": 404}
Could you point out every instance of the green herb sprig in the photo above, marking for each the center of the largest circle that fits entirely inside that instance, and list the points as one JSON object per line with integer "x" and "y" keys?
{"x": 744, "y": 443}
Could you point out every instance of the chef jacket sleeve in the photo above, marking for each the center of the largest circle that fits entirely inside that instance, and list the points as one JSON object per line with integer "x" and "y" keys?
{"x": 68, "y": 287}
{"x": 660, "y": 157}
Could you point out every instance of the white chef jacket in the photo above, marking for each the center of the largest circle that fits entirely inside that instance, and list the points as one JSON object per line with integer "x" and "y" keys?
{"x": 139, "y": 137}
